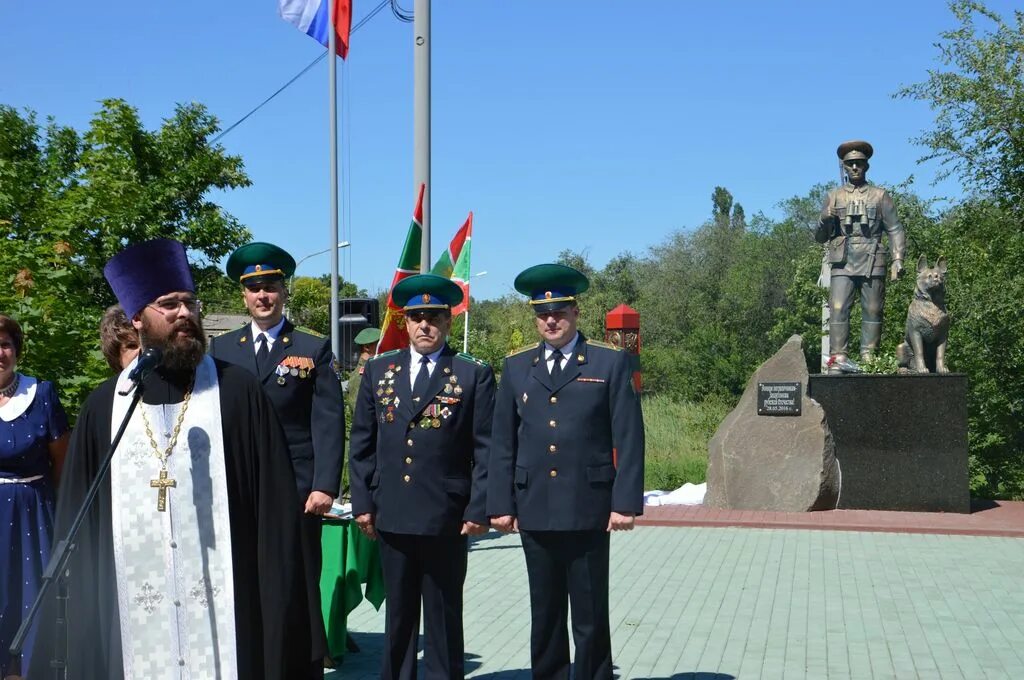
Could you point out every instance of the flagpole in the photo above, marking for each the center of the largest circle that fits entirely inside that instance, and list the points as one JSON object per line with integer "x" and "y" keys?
{"x": 421, "y": 119}
{"x": 332, "y": 89}
{"x": 465, "y": 332}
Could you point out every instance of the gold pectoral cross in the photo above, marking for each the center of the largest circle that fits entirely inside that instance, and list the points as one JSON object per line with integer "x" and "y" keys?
{"x": 162, "y": 484}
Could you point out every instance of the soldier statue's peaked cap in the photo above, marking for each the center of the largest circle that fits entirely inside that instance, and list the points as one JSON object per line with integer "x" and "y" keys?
{"x": 426, "y": 291}
{"x": 856, "y": 149}
{"x": 140, "y": 274}
{"x": 367, "y": 336}
{"x": 551, "y": 286}
{"x": 260, "y": 262}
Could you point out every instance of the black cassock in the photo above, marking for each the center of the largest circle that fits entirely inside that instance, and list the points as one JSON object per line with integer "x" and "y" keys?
{"x": 271, "y": 612}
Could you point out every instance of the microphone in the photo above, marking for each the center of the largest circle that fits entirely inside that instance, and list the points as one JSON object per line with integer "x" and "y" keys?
{"x": 150, "y": 358}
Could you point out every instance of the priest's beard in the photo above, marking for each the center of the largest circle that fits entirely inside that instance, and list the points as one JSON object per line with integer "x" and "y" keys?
{"x": 181, "y": 352}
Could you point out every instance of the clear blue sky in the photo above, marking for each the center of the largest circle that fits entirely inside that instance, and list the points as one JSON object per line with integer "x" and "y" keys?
{"x": 597, "y": 126}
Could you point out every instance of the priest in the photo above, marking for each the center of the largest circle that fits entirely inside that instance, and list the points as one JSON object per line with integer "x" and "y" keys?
{"x": 188, "y": 565}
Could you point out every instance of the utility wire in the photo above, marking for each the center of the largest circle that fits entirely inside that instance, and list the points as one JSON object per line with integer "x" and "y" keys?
{"x": 372, "y": 13}
{"x": 400, "y": 13}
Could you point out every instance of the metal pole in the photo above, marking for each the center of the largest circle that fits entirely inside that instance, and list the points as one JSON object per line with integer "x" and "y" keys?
{"x": 825, "y": 281}
{"x": 332, "y": 89}
{"x": 465, "y": 332}
{"x": 421, "y": 120}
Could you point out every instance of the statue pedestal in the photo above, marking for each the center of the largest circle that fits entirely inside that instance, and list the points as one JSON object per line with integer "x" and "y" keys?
{"x": 901, "y": 440}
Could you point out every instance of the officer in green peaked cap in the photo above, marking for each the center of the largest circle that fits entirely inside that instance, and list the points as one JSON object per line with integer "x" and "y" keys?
{"x": 296, "y": 370}
{"x": 551, "y": 287}
{"x": 565, "y": 468}
{"x": 421, "y": 429}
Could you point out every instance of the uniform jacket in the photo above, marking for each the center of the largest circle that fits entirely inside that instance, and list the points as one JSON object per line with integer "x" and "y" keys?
{"x": 421, "y": 468}
{"x": 310, "y": 407}
{"x": 852, "y": 222}
{"x": 354, "y": 378}
{"x": 552, "y": 463}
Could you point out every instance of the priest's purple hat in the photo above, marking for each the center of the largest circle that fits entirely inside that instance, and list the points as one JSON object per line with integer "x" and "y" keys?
{"x": 142, "y": 273}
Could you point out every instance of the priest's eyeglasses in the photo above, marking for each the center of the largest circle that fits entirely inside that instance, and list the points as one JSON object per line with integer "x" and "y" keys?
{"x": 172, "y": 305}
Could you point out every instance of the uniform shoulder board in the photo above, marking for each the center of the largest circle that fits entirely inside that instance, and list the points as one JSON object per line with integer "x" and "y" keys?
{"x": 309, "y": 331}
{"x": 525, "y": 348}
{"x": 598, "y": 343}
{"x": 385, "y": 354}
{"x": 465, "y": 356}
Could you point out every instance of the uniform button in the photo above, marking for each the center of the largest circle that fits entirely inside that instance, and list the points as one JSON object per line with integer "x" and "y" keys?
{"x": 408, "y": 442}
{"x": 174, "y": 544}
{"x": 408, "y": 460}
{"x": 407, "y": 478}
{"x": 181, "y": 662}
{"x": 553, "y": 473}
{"x": 552, "y": 448}
{"x": 552, "y": 423}
{"x": 553, "y": 400}
{"x": 177, "y": 603}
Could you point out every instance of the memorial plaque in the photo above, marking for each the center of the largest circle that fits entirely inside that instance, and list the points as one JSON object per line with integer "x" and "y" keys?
{"x": 779, "y": 398}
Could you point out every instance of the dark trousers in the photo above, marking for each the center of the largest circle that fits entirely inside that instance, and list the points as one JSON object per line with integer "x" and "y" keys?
{"x": 431, "y": 569}
{"x": 568, "y": 568}
{"x": 312, "y": 559}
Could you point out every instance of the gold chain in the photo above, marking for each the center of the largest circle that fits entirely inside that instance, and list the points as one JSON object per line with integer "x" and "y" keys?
{"x": 177, "y": 429}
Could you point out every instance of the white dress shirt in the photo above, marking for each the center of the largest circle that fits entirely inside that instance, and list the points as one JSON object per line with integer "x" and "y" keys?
{"x": 566, "y": 349}
{"x": 414, "y": 363}
{"x": 271, "y": 332}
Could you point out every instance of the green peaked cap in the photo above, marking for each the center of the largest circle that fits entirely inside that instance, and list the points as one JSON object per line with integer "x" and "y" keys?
{"x": 367, "y": 336}
{"x": 551, "y": 286}
{"x": 260, "y": 261}
{"x": 426, "y": 291}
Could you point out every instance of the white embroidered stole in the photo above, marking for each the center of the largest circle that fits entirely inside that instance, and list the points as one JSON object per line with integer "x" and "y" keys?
{"x": 174, "y": 573}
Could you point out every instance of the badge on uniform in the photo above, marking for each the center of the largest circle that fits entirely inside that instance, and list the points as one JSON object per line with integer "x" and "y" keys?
{"x": 386, "y": 393}
{"x": 298, "y": 367}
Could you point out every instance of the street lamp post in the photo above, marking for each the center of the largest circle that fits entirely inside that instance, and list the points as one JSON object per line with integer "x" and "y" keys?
{"x": 335, "y": 348}
{"x": 341, "y": 244}
{"x": 465, "y": 325}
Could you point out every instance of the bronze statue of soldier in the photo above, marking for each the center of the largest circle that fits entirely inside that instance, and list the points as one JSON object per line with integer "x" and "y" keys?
{"x": 852, "y": 222}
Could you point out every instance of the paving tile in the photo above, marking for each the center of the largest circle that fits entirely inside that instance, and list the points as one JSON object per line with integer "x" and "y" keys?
{"x": 693, "y": 602}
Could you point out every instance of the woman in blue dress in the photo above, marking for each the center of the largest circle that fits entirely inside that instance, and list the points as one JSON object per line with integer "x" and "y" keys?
{"x": 33, "y": 440}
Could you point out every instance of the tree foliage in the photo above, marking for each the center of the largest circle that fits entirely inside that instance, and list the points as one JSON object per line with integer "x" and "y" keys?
{"x": 309, "y": 301}
{"x": 69, "y": 201}
{"x": 978, "y": 98}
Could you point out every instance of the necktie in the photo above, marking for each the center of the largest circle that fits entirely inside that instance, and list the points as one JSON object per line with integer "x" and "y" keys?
{"x": 556, "y": 366}
{"x": 419, "y": 386}
{"x": 262, "y": 352}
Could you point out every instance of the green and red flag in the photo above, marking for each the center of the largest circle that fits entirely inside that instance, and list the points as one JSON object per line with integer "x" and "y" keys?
{"x": 392, "y": 330}
{"x": 454, "y": 263}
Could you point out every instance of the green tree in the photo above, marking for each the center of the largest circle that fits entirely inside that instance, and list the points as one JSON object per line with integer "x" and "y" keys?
{"x": 978, "y": 98}
{"x": 69, "y": 201}
{"x": 309, "y": 303}
{"x": 984, "y": 286}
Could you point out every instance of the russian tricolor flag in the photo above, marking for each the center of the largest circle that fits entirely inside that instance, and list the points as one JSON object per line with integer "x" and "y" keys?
{"x": 312, "y": 18}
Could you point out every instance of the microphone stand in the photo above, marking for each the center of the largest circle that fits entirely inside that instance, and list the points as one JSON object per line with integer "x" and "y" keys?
{"x": 55, "y": 568}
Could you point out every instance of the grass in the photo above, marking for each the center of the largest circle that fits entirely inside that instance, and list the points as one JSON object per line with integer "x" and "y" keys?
{"x": 677, "y": 440}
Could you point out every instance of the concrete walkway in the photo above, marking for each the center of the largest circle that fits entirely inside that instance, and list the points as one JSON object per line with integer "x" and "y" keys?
{"x": 714, "y": 603}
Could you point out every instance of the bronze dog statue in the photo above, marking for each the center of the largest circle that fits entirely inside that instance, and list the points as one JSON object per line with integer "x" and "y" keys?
{"x": 924, "y": 347}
